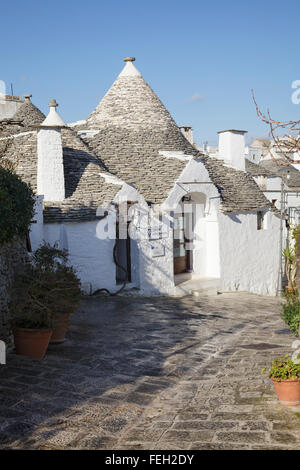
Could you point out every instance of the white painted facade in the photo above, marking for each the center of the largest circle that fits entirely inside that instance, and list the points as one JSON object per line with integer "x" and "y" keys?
{"x": 232, "y": 148}
{"x": 9, "y": 105}
{"x": 50, "y": 173}
{"x": 229, "y": 248}
{"x": 249, "y": 258}
{"x": 271, "y": 187}
{"x": 91, "y": 257}
{"x": 37, "y": 227}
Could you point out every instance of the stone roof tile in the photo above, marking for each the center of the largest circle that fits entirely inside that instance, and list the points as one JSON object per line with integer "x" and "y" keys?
{"x": 85, "y": 189}
{"x": 238, "y": 190}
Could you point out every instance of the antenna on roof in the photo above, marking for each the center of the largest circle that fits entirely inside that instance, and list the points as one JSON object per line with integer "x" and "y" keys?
{"x": 11, "y": 89}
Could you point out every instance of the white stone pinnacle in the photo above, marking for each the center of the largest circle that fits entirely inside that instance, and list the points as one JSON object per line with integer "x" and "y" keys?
{"x": 130, "y": 70}
{"x": 53, "y": 119}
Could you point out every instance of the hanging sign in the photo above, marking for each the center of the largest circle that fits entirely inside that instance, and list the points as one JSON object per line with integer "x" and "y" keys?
{"x": 157, "y": 249}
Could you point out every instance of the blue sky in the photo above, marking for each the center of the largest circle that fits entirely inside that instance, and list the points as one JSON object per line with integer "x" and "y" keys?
{"x": 201, "y": 57}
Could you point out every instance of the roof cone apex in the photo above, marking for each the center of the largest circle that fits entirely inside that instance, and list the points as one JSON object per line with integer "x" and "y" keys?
{"x": 53, "y": 119}
{"x": 129, "y": 70}
{"x": 131, "y": 103}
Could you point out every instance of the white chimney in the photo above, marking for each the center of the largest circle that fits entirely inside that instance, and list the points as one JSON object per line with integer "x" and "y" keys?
{"x": 50, "y": 173}
{"x": 232, "y": 148}
{"x": 187, "y": 131}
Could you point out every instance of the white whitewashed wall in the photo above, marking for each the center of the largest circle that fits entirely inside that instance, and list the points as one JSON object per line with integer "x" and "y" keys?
{"x": 249, "y": 258}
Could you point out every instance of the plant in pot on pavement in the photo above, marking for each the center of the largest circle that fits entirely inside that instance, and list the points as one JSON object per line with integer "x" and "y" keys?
{"x": 31, "y": 312}
{"x": 285, "y": 375}
{"x": 65, "y": 287}
{"x": 44, "y": 295}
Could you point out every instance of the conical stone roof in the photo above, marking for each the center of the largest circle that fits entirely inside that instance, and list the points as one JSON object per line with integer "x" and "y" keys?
{"x": 131, "y": 103}
{"x": 29, "y": 114}
{"x": 136, "y": 133}
{"x": 134, "y": 128}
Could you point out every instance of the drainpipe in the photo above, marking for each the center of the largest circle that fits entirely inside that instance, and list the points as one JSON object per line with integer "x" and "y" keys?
{"x": 117, "y": 264}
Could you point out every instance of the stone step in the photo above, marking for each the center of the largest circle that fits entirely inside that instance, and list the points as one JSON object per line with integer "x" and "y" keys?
{"x": 199, "y": 292}
{"x": 198, "y": 287}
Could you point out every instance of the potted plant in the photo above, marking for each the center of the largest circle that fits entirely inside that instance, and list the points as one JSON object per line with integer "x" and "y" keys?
{"x": 285, "y": 375}
{"x": 44, "y": 296}
{"x": 31, "y": 319}
{"x": 64, "y": 287}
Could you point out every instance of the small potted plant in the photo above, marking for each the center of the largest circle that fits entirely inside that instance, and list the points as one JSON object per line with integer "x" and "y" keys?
{"x": 285, "y": 375}
{"x": 43, "y": 298}
{"x": 64, "y": 287}
{"x": 31, "y": 319}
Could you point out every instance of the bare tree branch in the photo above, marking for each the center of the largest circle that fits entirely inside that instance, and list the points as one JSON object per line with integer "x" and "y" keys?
{"x": 287, "y": 145}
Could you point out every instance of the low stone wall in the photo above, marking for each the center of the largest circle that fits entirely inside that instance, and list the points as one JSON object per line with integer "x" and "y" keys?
{"x": 12, "y": 254}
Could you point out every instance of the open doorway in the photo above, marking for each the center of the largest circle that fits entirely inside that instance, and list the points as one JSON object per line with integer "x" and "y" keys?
{"x": 183, "y": 227}
{"x": 122, "y": 250}
{"x": 196, "y": 244}
{"x": 123, "y": 257}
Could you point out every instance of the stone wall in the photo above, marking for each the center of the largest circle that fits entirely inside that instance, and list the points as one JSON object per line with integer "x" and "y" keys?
{"x": 12, "y": 254}
{"x": 9, "y": 106}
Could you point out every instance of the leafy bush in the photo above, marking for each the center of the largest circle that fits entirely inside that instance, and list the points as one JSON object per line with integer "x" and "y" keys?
{"x": 54, "y": 261}
{"x": 291, "y": 312}
{"x": 283, "y": 368}
{"x": 30, "y": 306}
{"x": 45, "y": 289}
{"x": 16, "y": 206}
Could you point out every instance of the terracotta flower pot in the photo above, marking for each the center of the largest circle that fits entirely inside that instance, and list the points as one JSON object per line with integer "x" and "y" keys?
{"x": 31, "y": 342}
{"x": 61, "y": 325}
{"x": 288, "y": 391}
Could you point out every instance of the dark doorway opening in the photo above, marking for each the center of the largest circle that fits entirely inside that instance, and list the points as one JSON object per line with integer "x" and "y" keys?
{"x": 182, "y": 256}
{"x": 123, "y": 249}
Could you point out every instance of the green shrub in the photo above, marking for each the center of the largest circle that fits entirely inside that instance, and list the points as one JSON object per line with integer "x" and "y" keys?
{"x": 30, "y": 305}
{"x": 44, "y": 289}
{"x": 283, "y": 368}
{"x": 291, "y": 313}
{"x": 16, "y": 206}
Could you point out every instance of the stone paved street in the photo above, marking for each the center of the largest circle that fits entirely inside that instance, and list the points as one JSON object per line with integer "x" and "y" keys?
{"x": 159, "y": 373}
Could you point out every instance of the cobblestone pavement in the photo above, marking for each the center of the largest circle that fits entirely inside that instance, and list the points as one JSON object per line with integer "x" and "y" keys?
{"x": 154, "y": 373}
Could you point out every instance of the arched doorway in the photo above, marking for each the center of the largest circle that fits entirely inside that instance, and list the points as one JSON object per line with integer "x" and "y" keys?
{"x": 196, "y": 238}
{"x": 183, "y": 223}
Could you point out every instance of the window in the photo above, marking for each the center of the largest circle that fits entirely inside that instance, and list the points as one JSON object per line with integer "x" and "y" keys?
{"x": 261, "y": 222}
